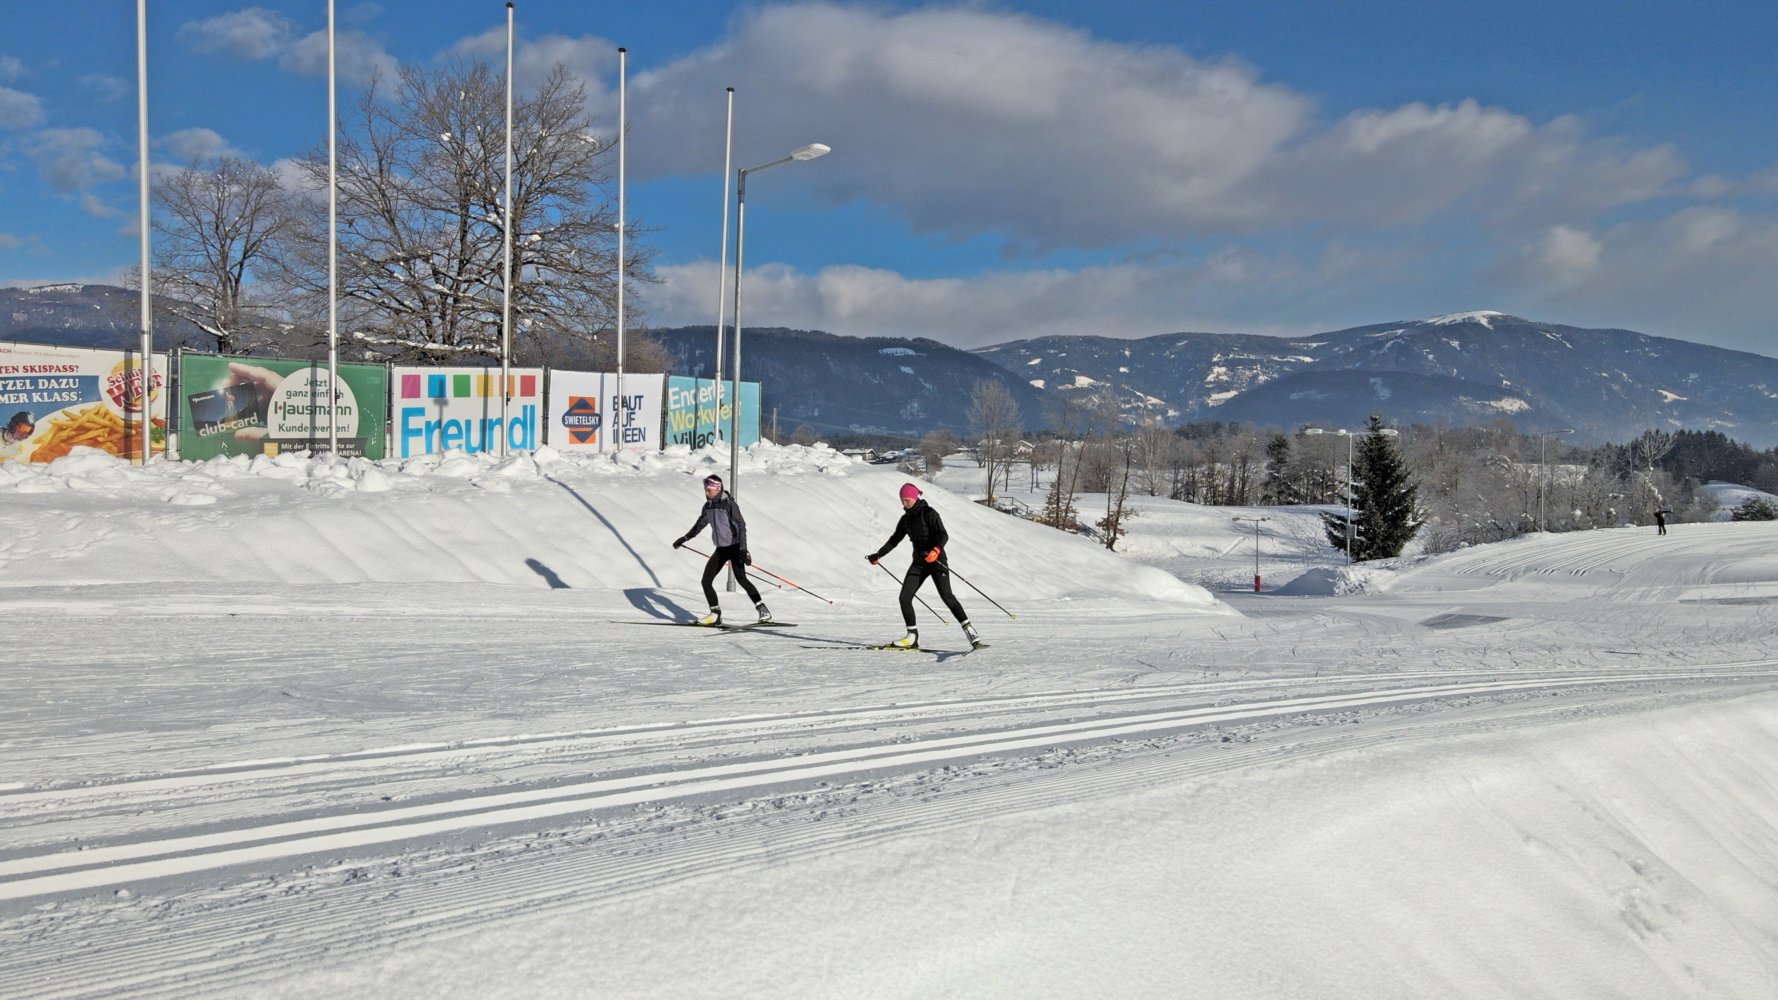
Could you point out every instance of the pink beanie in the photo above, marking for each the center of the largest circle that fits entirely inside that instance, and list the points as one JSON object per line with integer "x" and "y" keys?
{"x": 910, "y": 492}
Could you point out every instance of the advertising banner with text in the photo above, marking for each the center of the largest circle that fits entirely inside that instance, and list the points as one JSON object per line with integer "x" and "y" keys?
{"x": 695, "y": 406}
{"x": 581, "y": 408}
{"x": 440, "y": 409}
{"x": 263, "y": 406}
{"x": 55, "y": 399}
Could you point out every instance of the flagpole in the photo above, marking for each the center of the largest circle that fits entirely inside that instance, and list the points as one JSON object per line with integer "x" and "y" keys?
{"x": 333, "y": 248}
{"x": 728, "y": 149}
{"x": 146, "y": 387}
{"x": 506, "y": 284}
{"x": 622, "y": 127}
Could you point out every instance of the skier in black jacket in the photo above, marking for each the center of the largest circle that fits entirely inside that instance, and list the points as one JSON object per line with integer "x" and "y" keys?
{"x": 926, "y": 529}
{"x": 728, "y": 529}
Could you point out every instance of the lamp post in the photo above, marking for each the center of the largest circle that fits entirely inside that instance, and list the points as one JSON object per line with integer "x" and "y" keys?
{"x": 808, "y": 152}
{"x": 1543, "y": 439}
{"x": 623, "y": 126}
{"x": 1349, "y": 435}
{"x": 1256, "y": 522}
{"x": 333, "y": 248}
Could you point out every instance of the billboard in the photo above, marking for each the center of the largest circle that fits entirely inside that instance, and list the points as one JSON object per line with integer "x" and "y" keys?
{"x": 693, "y": 411}
{"x": 581, "y": 405}
{"x": 440, "y": 409}
{"x": 254, "y": 406}
{"x": 55, "y": 399}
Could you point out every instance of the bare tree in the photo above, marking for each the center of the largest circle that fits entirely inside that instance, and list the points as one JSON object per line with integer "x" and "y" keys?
{"x": 221, "y": 228}
{"x": 994, "y": 417}
{"x": 421, "y": 241}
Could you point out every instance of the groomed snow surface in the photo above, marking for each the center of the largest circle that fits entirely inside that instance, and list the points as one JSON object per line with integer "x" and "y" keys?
{"x": 303, "y": 727}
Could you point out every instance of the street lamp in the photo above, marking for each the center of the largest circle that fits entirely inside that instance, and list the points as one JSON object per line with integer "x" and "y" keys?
{"x": 1349, "y": 435}
{"x": 801, "y": 153}
{"x": 808, "y": 152}
{"x": 1543, "y": 439}
{"x": 1256, "y": 521}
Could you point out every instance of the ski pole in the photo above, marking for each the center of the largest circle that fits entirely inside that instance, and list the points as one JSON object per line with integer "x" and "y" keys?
{"x": 798, "y": 586}
{"x": 917, "y": 597}
{"x": 690, "y": 549}
{"x": 975, "y": 588}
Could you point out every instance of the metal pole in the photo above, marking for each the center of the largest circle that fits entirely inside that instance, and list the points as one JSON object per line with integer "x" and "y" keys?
{"x": 734, "y": 397}
{"x": 734, "y": 427}
{"x": 146, "y": 390}
{"x": 1543, "y": 442}
{"x": 623, "y": 125}
{"x": 333, "y": 249}
{"x": 506, "y": 280}
{"x": 1348, "y": 496}
{"x": 728, "y": 150}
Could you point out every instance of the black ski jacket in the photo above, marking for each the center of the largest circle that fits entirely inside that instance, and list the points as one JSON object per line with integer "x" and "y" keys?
{"x": 727, "y": 526}
{"x": 923, "y": 526}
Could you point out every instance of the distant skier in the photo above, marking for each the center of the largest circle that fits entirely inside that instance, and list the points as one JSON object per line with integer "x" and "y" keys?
{"x": 728, "y": 530}
{"x": 926, "y": 529}
{"x": 1661, "y": 520}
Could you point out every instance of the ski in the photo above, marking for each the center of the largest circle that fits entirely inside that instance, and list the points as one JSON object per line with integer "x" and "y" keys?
{"x": 848, "y": 647}
{"x": 725, "y": 628}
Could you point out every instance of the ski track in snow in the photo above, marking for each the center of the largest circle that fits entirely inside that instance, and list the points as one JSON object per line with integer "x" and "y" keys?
{"x": 318, "y": 754}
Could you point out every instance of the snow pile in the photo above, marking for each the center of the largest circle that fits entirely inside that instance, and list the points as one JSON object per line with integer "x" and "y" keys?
{"x": 1728, "y": 496}
{"x": 540, "y": 519}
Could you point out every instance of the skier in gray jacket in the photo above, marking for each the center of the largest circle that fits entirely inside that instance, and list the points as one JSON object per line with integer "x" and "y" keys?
{"x": 728, "y": 530}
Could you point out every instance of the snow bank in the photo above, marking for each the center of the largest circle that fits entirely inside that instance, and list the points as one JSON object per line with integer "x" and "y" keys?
{"x": 1731, "y": 495}
{"x": 533, "y": 519}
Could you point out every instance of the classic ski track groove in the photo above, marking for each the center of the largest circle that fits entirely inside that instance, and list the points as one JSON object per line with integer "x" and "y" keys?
{"x": 224, "y": 951}
{"x": 765, "y": 724}
{"x": 71, "y": 871}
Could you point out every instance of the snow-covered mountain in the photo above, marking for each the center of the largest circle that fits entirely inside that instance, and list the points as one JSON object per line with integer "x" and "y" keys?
{"x": 76, "y": 315}
{"x": 1461, "y": 368}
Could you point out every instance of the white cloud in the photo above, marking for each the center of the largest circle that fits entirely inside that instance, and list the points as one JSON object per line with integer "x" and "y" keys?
{"x": 195, "y": 144}
{"x": 69, "y": 158}
{"x": 588, "y": 57}
{"x": 1131, "y": 299}
{"x": 1563, "y": 256}
{"x": 104, "y": 86}
{"x": 19, "y": 109}
{"x": 357, "y": 57}
{"x": 255, "y": 33}
{"x": 973, "y": 121}
{"x": 251, "y": 34}
{"x": 11, "y": 68}
{"x": 11, "y": 242}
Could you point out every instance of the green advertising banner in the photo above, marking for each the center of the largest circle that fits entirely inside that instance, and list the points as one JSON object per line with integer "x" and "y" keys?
{"x": 694, "y": 410}
{"x": 261, "y": 406}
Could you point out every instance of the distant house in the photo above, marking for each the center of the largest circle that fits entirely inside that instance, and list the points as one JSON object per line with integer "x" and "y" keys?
{"x": 862, "y": 454}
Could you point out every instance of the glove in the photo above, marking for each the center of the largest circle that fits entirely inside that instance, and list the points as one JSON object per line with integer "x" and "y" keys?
{"x": 873, "y": 557}
{"x": 678, "y": 542}
{"x": 747, "y": 557}
{"x": 932, "y": 556}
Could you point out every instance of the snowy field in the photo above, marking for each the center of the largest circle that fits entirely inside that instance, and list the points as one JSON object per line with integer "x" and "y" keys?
{"x": 307, "y": 728}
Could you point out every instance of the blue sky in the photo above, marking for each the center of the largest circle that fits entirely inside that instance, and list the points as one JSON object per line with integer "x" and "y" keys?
{"x": 1008, "y": 170}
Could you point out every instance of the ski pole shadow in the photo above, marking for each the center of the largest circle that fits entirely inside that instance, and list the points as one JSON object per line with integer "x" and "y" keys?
{"x": 612, "y": 528}
{"x": 549, "y": 575}
{"x": 655, "y": 605}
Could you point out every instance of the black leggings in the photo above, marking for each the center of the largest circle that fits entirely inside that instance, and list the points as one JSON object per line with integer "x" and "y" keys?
{"x": 941, "y": 578}
{"x": 727, "y": 554}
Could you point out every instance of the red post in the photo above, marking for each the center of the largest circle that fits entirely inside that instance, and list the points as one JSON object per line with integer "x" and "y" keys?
{"x": 1256, "y": 583}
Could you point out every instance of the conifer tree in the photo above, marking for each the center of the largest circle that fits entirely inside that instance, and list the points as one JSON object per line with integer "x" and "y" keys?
{"x": 1278, "y": 487}
{"x": 1385, "y": 500}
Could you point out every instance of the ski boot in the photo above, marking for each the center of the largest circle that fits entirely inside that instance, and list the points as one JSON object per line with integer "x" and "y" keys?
{"x": 975, "y": 641}
{"x": 765, "y": 613}
{"x": 713, "y": 619}
{"x": 909, "y": 641}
